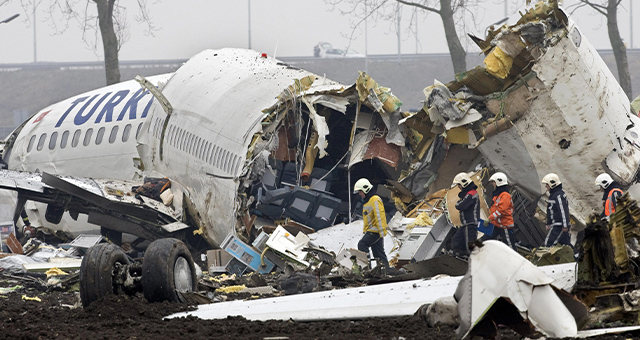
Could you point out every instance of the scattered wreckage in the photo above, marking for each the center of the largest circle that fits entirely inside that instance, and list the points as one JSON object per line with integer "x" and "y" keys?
{"x": 543, "y": 102}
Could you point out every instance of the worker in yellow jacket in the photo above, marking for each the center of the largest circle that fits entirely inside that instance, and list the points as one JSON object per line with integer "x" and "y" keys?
{"x": 375, "y": 222}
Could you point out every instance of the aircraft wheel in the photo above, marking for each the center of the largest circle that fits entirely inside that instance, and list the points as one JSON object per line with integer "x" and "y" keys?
{"x": 167, "y": 267}
{"x": 98, "y": 272}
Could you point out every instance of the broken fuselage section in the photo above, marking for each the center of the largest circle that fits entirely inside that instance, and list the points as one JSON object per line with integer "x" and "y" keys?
{"x": 246, "y": 135}
{"x": 543, "y": 102}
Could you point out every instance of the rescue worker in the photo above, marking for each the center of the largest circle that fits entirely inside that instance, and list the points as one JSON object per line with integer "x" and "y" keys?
{"x": 557, "y": 212}
{"x": 375, "y": 222}
{"x": 611, "y": 194}
{"x": 469, "y": 207}
{"x": 501, "y": 211}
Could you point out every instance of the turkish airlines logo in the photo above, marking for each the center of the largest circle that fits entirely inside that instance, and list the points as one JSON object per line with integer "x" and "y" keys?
{"x": 41, "y": 116}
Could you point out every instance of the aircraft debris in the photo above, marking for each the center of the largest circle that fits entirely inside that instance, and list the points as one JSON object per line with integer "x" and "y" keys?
{"x": 501, "y": 284}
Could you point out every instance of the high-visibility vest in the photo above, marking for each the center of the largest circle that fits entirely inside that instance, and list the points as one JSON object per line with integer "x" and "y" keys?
{"x": 609, "y": 208}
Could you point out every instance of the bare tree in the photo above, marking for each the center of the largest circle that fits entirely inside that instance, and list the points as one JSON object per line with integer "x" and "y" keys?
{"x": 609, "y": 8}
{"x": 448, "y": 10}
{"x": 110, "y": 21}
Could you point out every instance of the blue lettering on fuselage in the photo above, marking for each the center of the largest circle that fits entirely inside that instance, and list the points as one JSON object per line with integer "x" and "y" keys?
{"x": 83, "y": 118}
{"x": 107, "y": 110}
{"x": 83, "y": 115}
{"x": 132, "y": 105}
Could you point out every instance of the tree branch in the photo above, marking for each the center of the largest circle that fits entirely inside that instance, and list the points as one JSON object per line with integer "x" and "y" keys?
{"x": 415, "y": 4}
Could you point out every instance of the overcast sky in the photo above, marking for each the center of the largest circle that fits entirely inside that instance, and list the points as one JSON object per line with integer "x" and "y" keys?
{"x": 280, "y": 27}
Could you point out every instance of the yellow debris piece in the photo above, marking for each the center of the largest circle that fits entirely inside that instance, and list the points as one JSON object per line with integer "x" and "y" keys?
{"x": 498, "y": 63}
{"x": 223, "y": 277}
{"x": 200, "y": 231}
{"x": 458, "y": 135}
{"x": 230, "y": 289}
{"x": 423, "y": 219}
{"x": 366, "y": 87}
{"x": 55, "y": 271}
{"x": 24, "y": 297}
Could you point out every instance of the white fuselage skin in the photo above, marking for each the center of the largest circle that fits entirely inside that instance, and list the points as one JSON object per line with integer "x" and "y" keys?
{"x": 218, "y": 98}
{"x": 89, "y": 135}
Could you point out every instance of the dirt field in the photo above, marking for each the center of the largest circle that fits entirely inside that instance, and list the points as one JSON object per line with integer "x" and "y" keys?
{"x": 59, "y": 316}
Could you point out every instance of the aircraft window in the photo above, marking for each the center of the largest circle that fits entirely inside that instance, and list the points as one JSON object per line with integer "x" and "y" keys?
{"x": 31, "y": 141}
{"x": 53, "y": 140}
{"x": 76, "y": 138}
{"x": 212, "y": 149}
{"x": 87, "y": 137}
{"x": 199, "y": 148}
{"x": 225, "y": 160}
{"x": 236, "y": 162}
{"x": 159, "y": 129}
{"x": 126, "y": 133}
{"x": 232, "y": 164}
{"x": 99, "y": 136}
{"x": 154, "y": 132}
{"x": 169, "y": 134}
{"x": 229, "y": 163}
{"x": 63, "y": 140}
{"x": 138, "y": 130}
{"x": 220, "y": 160}
{"x": 41, "y": 141}
{"x": 207, "y": 155}
{"x": 114, "y": 134}
{"x": 213, "y": 155}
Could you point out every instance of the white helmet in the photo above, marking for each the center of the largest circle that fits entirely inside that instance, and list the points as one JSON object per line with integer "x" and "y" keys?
{"x": 362, "y": 184}
{"x": 463, "y": 179}
{"x": 499, "y": 178}
{"x": 552, "y": 180}
{"x": 604, "y": 180}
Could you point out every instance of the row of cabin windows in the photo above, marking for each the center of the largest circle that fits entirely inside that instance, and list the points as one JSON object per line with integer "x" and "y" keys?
{"x": 77, "y": 135}
{"x": 198, "y": 147}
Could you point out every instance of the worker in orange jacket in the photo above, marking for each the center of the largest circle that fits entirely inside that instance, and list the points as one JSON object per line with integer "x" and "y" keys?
{"x": 501, "y": 212}
{"x": 611, "y": 194}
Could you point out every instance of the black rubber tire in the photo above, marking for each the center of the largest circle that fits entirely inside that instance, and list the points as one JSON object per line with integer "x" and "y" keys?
{"x": 96, "y": 272}
{"x": 158, "y": 270}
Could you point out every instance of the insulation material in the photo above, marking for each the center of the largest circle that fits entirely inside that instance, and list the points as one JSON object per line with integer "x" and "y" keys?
{"x": 460, "y": 135}
{"x": 333, "y": 102}
{"x": 321, "y": 127}
{"x": 498, "y": 63}
{"x": 500, "y": 60}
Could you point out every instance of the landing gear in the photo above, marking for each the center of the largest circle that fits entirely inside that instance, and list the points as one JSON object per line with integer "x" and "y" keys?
{"x": 167, "y": 269}
{"x": 100, "y": 270}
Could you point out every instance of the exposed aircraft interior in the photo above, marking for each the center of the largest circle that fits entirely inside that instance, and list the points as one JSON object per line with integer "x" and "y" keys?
{"x": 315, "y": 189}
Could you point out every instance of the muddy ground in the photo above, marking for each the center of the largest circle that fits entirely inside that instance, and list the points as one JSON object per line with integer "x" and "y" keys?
{"x": 59, "y": 315}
